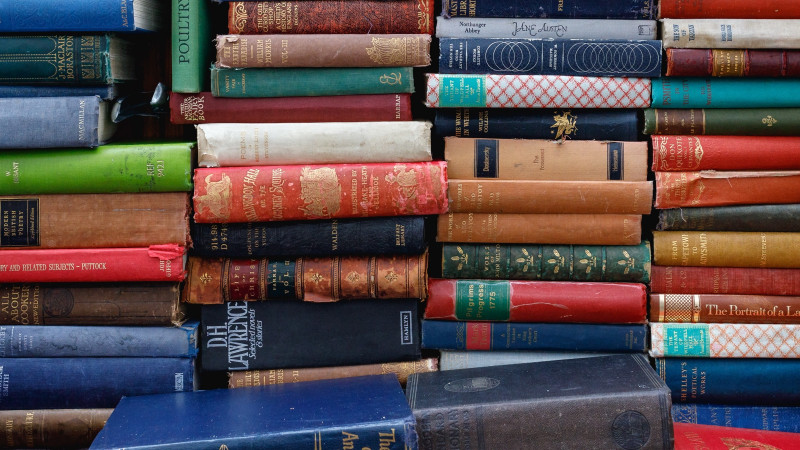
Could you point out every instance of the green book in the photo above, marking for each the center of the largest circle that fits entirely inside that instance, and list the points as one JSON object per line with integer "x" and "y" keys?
{"x": 310, "y": 81}
{"x": 719, "y": 121}
{"x": 192, "y": 43}
{"x": 129, "y": 167}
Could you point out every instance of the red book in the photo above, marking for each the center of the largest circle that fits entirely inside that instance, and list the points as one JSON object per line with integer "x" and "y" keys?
{"x": 723, "y": 62}
{"x": 154, "y": 263}
{"x": 712, "y": 188}
{"x": 205, "y": 108}
{"x": 728, "y": 9}
{"x": 690, "y": 152}
{"x": 692, "y": 436}
{"x": 536, "y": 301}
{"x": 724, "y": 280}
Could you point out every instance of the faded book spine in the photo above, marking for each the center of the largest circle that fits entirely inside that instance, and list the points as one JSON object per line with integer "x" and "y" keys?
{"x": 52, "y": 428}
{"x": 730, "y": 33}
{"x": 546, "y": 28}
{"x": 720, "y": 188}
{"x": 50, "y": 122}
{"x": 723, "y": 121}
{"x": 742, "y": 62}
{"x": 739, "y": 92}
{"x": 771, "y": 217}
{"x": 741, "y": 9}
{"x": 689, "y": 153}
{"x": 725, "y": 280}
{"x": 724, "y": 340}
{"x": 603, "y": 9}
{"x": 724, "y": 308}
{"x": 57, "y": 59}
{"x": 777, "y": 250}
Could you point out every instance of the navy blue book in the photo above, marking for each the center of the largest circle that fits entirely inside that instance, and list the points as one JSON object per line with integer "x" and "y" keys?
{"x": 369, "y": 412}
{"x": 78, "y": 16}
{"x": 564, "y": 9}
{"x": 68, "y": 341}
{"x": 66, "y": 383}
{"x": 105, "y": 92}
{"x": 772, "y": 418}
{"x": 581, "y": 57}
{"x": 532, "y": 123}
{"x": 462, "y": 335}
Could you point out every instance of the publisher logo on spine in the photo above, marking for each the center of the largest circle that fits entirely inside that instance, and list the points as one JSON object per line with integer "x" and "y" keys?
{"x": 406, "y": 328}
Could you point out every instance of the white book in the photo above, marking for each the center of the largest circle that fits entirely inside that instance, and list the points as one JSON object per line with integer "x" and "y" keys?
{"x": 730, "y": 33}
{"x": 527, "y": 28}
{"x": 467, "y": 359}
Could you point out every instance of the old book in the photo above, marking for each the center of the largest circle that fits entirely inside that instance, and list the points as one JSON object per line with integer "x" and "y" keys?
{"x": 218, "y": 280}
{"x": 719, "y": 121}
{"x": 712, "y": 437}
{"x": 683, "y": 153}
{"x": 245, "y": 144}
{"x": 777, "y": 250}
{"x": 605, "y": 9}
{"x": 605, "y": 402}
{"x": 716, "y": 92}
{"x": 52, "y": 428}
{"x": 539, "y": 159}
{"x": 578, "y": 229}
{"x": 294, "y": 192}
{"x": 191, "y": 45}
{"x": 725, "y": 308}
{"x": 97, "y": 16}
{"x": 323, "y": 50}
{"x": 720, "y": 188}
{"x": 104, "y": 91}
{"x": 737, "y": 62}
{"x": 536, "y": 301}
{"x": 546, "y": 28}
{"x": 747, "y": 32}
{"x": 724, "y": 340}
{"x": 744, "y": 9}
{"x": 773, "y": 217}
{"x": 468, "y": 359}
{"x": 772, "y": 418}
{"x": 725, "y": 280}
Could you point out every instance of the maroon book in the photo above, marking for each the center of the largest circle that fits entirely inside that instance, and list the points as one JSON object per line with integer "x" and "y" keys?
{"x": 704, "y": 62}
{"x": 724, "y": 280}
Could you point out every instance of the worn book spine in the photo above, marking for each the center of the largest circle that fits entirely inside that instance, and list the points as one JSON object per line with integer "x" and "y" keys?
{"x": 581, "y": 229}
{"x": 718, "y": 437}
{"x": 720, "y": 188}
{"x": 740, "y": 9}
{"x": 104, "y": 91}
{"x": 588, "y": 57}
{"x": 773, "y": 418}
{"x": 294, "y": 192}
{"x": 581, "y": 9}
{"x": 539, "y": 159}
{"x": 776, "y": 250}
{"x": 61, "y": 59}
{"x": 94, "y": 265}
{"x": 739, "y": 62}
{"x": 62, "y": 122}
{"x": 521, "y": 123}
{"x": 90, "y": 303}
{"x": 739, "y": 92}
{"x": 233, "y": 144}
{"x": 205, "y": 108}
{"x": 310, "y": 81}
{"x": 52, "y": 428}
{"x": 536, "y": 301}
{"x": 47, "y": 16}
{"x": 725, "y": 280}
{"x": 723, "y": 121}
{"x": 730, "y": 33}
{"x": 331, "y": 16}
{"x": 773, "y": 217}
{"x": 688, "y": 153}
{"x": 191, "y": 45}
{"x": 546, "y": 28}
{"x": 112, "y": 168}
{"x": 468, "y": 359}
{"x": 621, "y": 263}
{"x": 725, "y": 308}
{"x": 323, "y": 50}
{"x": 219, "y": 280}
{"x": 724, "y": 340}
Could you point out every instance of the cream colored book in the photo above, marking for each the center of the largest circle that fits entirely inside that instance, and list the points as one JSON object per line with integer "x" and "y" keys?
{"x": 730, "y": 33}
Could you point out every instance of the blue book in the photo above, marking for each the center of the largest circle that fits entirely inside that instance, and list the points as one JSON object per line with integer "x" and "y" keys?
{"x": 369, "y": 412}
{"x": 82, "y": 15}
{"x": 733, "y": 92}
{"x": 66, "y": 383}
{"x": 576, "y": 9}
{"x": 68, "y": 341}
{"x": 583, "y": 57}
{"x": 105, "y": 92}
{"x": 462, "y": 335}
{"x": 772, "y": 418}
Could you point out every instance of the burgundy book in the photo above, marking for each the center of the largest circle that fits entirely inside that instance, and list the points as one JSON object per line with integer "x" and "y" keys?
{"x": 721, "y": 62}
{"x": 724, "y": 280}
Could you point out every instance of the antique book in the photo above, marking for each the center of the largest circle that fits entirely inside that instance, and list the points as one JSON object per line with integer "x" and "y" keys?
{"x": 579, "y": 229}
{"x": 546, "y": 28}
{"x": 287, "y": 333}
{"x": 96, "y": 16}
{"x": 323, "y": 50}
{"x": 581, "y": 9}
{"x": 716, "y": 92}
{"x": 739, "y": 9}
{"x": 540, "y": 159}
{"x": 112, "y": 168}
{"x": 621, "y": 263}
{"x": 261, "y": 144}
{"x": 104, "y": 91}
{"x": 734, "y": 62}
{"x": 219, "y": 280}
{"x": 747, "y": 32}
{"x": 776, "y": 250}
{"x": 719, "y": 121}
{"x": 711, "y": 437}
{"x": 52, "y": 428}
{"x": 724, "y": 340}
{"x": 293, "y": 192}
{"x": 772, "y": 418}
{"x": 606, "y": 402}
{"x": 772, "y": 217}
{"x": 205, "y": 108}
{"x": 725, "y": 280}
{"x": 468, "y": 359}
{"x": 589, "y": 57}
{"x": 683, "y": 153}
{"x": 720, "y": 188}
{"x": 191, "y": 46}
{"x": 535, "y": 91}
{"x": 360, "y": 412}
{"x": 725, "y": 308}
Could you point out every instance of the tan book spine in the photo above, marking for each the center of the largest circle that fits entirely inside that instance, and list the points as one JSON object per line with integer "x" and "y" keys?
{"x": 724, "y": 308}
{"x": 726, "y": 249}
{"x": 730, "y": 33}
{"x": 51, "y": 428}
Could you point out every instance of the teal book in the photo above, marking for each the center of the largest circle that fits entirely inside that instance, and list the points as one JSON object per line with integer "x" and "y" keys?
{"x": 310, "y": 81}
{"x": 192, "y": 43}
{"x": 732, "y": 92}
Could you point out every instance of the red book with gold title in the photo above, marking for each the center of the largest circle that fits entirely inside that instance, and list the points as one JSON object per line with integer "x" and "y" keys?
{"x": 724, "y": 280}
{"x": 677, "y": 153}
{"x": 719, "y": 188}
{"x": 693, "y": 436}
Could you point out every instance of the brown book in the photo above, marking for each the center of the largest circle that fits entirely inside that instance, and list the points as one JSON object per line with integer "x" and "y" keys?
{"x": 724, "y": 308}
{"x": 51, "y": 428}
{"x": 778, "y": 250}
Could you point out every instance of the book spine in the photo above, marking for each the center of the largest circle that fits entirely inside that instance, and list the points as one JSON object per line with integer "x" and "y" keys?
{"x": 587, "y": 57}
{"x": 495, "y": 27}
{"x": 154, "y": 263}
{"x": 538, "y": 159}
{"x": 742, "y": 9}
{"x": 323, "y": 50}
{"x": 694, "y": 92}
{"x": 581, "y": 229}
{"x": 459, "y": 335}
{"x": 725, "y": 121}
{"x": 536, "y": 301}
{"x": 104, "y": 91}
{"x": 205, "y": 108}
{"x": 227, "y": 144}
{"x": 579, "y": 9}
{"x": 549, "y": 197}
{"x": 773, "y": 418}
{"x": 62, "y": 59}
{"x": 218, "y": 280}
{"x": 725, "y": 280}
{"x": 623, "y": 263}
{"x": 689, "y": 153}
{"x": 775, "y": 250}
{"x": 50, "y": 122}
{"x": 52, "y": 428}
{"x": 731, "y": 218}
{"x": 266, "y": 193}
{"x": 712, "y": 188}
{"x": 535, "y": 91}
{"x": 305, "y": 238}
{"x": 52, "y": 15}
{"x": 131, "y": 303}
{"x": 724, "y": 340}
{"x": 310, "y": 81}
{"x": 468, "y": 359}
{"x": 729, "y": 33}
{"x": 331, "y": 17}
{"x": 89, "y": 382}
{"x": 724, "y": 308}
{"x": 520, "y": 123}
{"x": 191, "y": 47}
{"x": 696, "y": 62}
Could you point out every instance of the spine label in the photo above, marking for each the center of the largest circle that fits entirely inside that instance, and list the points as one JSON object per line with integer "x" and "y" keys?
{"x": 483, "y": 300}
{"x": 615, "y": 161}
{"x": 486, "y": 158}
{"x": 20, "y": 222}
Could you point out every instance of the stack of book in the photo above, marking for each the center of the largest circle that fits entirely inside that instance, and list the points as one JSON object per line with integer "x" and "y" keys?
{"x": 726, "y": 277}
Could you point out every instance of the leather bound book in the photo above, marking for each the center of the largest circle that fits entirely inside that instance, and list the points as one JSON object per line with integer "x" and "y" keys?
{"x": 719, "y": 62}
{"x": 51, "y": 428}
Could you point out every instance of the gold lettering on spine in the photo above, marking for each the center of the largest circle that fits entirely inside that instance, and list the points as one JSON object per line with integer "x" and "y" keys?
{"x": 395, "y": 52}
{"x": 248, "y": 194}
{"x": 320, "y": 191}
{"x": 192, "y": 108}
{"x": 276, "y": 189}
{"x": 763, "y": 259}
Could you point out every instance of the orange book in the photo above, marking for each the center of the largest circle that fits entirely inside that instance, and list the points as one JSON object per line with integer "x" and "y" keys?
{"x": 719, "y": 188}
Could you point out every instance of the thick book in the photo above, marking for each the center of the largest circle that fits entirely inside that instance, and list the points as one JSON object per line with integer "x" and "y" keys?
{"x": 725, "y": 280}
{"x": 536, "y": 301}
{"x": 52, "y": 428}
{"x": 589, "y": 57}
{"x": 393, "y": 235}
{"x": 112, "y": 168}
{"x": 310, "y": 81}
{"x": 261, "y": 144}
{"x": 191, "y": 47}
{"x": 580, "y": 9}
{"x": 725, "y": 308}
{"x": 521, "y": 123}
{"x": 721, "y": 188}
{"x": 740, "y": 9}
{"x": 205, "y": 108}
{"x": 323, "y": 50}
{"x": 468, "y": 359}
{"x": 724, "y": 340}
{"x": 322, "y": 280}
{"x": 776, "y": 250}
{"x": 104, "y": 91}
{"x": 771, "y": 217}
{"x": 361, "y": 412}
{"x": 535, "y": 91}
{"x": 772, "y": 418}
{"x": 735, "y": 62}
{"x": 682, "y": 153}
{"x": 747, "y": 32}
{"x": 723, "y": 121}
{"x": 546, "y": 28}
{"x": 472, "y": 335}
{"x": 620, "y": 263}
{"x": 692, "y": 436}
{"x": 294, "y": 192}
{"x": 739, "y": 92}
{"x": 96, "y": 16}
{"x": 605, "y": 402}
{"x": 287, "y": 333}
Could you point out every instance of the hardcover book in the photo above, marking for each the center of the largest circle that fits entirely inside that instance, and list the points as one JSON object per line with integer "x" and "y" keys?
{"x": 772, "y": 217}
{"x": 739, "y": 62}
{"x": 96, "y": 16}
{"x": 52, "y": 428}
{"x": 546, "y": 28}
{"x": 725, "y": 280}
{"x": 744, "y": 9}
{"x": 104, "y": 91}
{"x": 725, "y": 308}
{"x": 724, "y": 340}
{"x": 690, "y": 436}
{"x": 468, "y": 359}
{"x": 603, "y": 9}
{"x": 191, "y": 45}
{"x": 723, "y": 121}
{"x": 747, "y": 32}
{"x": 696, "y": 92}
{"x": 771, "y": 418}
{"x": 775, "y": 250}
{"x": 681, "y": 153}
{"x": 721, "y": 188}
